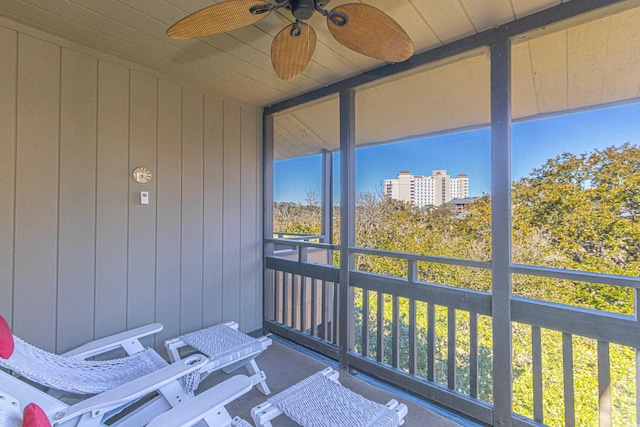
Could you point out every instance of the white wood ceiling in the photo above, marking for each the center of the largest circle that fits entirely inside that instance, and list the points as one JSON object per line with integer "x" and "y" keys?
{"x": 590, "y": 64}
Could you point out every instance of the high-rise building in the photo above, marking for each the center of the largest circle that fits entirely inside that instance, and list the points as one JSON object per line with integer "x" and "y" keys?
{"x": 459, "y": 187}
{"x": 422, "y": 191}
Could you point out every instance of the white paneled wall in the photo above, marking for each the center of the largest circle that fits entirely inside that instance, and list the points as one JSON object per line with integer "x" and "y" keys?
{"x": 80, "y": 257}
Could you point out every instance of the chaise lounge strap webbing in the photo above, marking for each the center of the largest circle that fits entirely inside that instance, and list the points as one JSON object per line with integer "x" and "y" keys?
{"x": 76, "y": 375}
{"x": 222, "y": 345}
{"x": 320, "y": 402}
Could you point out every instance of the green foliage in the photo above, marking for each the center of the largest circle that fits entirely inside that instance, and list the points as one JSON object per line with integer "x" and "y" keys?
{"x": 588, "y": 205}
{"x": 579, "y": 212}
{"x": 297, "y": 218}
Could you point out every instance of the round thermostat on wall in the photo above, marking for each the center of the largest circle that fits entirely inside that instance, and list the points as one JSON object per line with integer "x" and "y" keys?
{"x": 141, "y": 175}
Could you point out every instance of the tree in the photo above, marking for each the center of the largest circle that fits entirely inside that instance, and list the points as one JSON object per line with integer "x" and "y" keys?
{"x": 588, "y": 205}
{"x": 299, "y": 218}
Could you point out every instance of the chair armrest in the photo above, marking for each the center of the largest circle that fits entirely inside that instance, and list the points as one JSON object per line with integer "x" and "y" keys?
{"x": 104, "y": 402}
{"x": 27, "y": 393}
{"x": 128, "y": 340}
{"x": 10, "y": 410}
{"x": 207, "y": 405}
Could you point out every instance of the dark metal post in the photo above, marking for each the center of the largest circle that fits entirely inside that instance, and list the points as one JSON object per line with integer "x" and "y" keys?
{"x": 637, "y": 357}
{"x": 347, "y": 223}
{"x": 501, "y": 230}
{"x": 268, "y": 294}
{"x": 327, "y": 196}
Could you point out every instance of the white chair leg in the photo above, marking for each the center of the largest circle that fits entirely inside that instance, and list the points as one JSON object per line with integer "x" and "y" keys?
{"x": 264, "y": 413}
{"x": 399, "y": 408}
{"x": 262, "y": 386}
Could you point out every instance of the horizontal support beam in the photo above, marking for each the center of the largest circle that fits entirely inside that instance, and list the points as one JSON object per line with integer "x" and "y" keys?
{"x": 608, "y": 327}
{"x": 447, "y": 296}
{"x": 520, "y": 421}
{"x": 426, "y": 258}
{"x": 317, "y": 271}
{"x": 581, "y": 276}
{"x": 306, "y": 340}
{"x": 302, "y": 243}
{"x": 431, "y": 391}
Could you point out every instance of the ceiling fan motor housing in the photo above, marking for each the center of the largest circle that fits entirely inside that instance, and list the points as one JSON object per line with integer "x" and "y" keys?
{"x": 302, "y": 9}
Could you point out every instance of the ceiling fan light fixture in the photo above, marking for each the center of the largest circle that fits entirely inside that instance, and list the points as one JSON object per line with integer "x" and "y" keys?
{"x": 358, "y": 26}
{"x": 302, "y": 9}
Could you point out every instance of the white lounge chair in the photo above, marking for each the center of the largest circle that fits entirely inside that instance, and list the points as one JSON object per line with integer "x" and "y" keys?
{"x": 116, "y": 383}
{"x": 227, "y": 348}
{"x": 321, "y": 401}
{"x": 188, "y": 414}
{"x": 96, "y": 409}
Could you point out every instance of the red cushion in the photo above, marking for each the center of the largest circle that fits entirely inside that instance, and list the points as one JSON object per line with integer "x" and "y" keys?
{"x": 6, "y": 339}
{"x": 34, "y": 416}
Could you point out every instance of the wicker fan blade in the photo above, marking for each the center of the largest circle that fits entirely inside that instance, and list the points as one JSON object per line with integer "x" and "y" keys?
{"x": 219, "y": 18}
{"x": 371, "y": 32}
{"x": 292, "y": 49}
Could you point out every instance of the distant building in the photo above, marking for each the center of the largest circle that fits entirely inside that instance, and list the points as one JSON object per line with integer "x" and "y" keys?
{"x": 460, "y": 187}
{"x": 422, "y": 191}
{"x": 461, "y": 203}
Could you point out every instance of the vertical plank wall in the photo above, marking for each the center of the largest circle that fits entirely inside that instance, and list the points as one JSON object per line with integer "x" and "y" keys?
{"x": 8, "y": 90}
{"x": 80, "y": 257}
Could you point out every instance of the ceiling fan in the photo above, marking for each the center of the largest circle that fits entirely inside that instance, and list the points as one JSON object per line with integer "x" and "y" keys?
{"x": 358, "y": 26}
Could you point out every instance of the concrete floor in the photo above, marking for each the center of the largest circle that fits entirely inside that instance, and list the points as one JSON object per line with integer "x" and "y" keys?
{"x": 285, "y": 366}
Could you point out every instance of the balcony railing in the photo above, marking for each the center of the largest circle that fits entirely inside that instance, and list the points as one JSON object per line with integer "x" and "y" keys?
{"x": 449, "y": 362}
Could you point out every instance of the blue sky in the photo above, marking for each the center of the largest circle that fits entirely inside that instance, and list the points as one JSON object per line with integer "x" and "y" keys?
{"x": 468, "y": 152}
